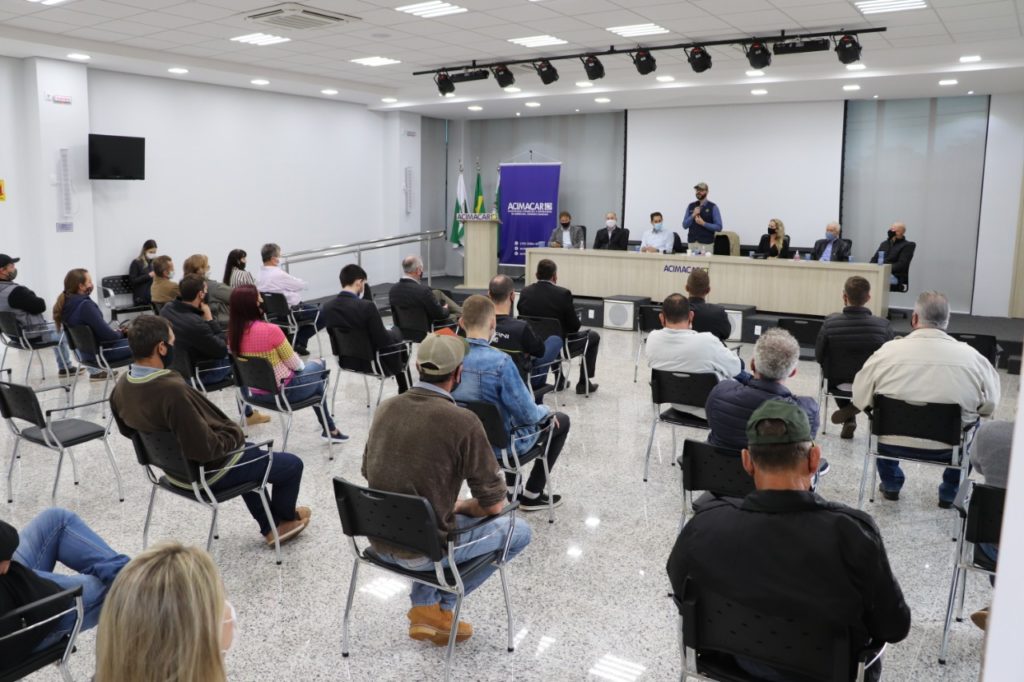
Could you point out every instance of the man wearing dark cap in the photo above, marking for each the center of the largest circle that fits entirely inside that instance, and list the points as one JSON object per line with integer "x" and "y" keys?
{"x": 784, "y": 550}
{"x": 422, "y": 443}
{"x": 27, "y": 562}
{"x": 702, "y": 220}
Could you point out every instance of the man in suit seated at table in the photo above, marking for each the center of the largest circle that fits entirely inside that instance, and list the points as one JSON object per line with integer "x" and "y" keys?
{"x": 410, "y": 292}
{"x": 612, "y": 237}
{"x": 897, "y": 252}
{"x": 833, "y": 247}
{"x": 707, "y": 317}
{"x": 350, "y": 311}
{"x": 566, "y": 235}
{"x": 546, "y": 299}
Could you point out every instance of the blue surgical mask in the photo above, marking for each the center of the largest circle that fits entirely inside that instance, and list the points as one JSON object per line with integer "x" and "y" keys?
{"x": 656, "y": 226}
{"x": 831, "y": 236}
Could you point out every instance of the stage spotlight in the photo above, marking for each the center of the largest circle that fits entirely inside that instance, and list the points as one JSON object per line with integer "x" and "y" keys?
{"x": 848, "y": 49}
{"x": 759, "y": 56}
{"x": 444, "y": 83}
{"x": 503, "y": 75}
{"x": 644, "y": 62}
{"x": 548, "y": 73}
{"x": 699, "y": 59}
{"x": 593, "y": 66}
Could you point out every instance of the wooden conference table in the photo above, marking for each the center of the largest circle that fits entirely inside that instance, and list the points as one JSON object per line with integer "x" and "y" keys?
{"x": 778, "y": 286}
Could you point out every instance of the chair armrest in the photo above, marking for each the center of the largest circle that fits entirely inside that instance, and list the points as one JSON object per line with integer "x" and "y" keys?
{"x": 44, "y": 389}
{"x": 963, "y": 498}
{"x": 484, "y": 520}
{"x": 269, "y": 453}
{"x": 72, "y": 407}
{"x": 877, "y": 657}
{"x": 71, "y": 593}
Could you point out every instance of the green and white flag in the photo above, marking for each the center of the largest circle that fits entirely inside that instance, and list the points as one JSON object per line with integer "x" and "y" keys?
{"x": 458, "y": 229}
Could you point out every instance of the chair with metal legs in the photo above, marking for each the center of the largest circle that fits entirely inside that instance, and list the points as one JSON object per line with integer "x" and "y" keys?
{"x": 355, "y": 354}
{"x": 679, "y": 388}
{"x": 14, "y": 335}
{"x": 25, "y": 619}
{"x": 717, "y": 470}
{"x": 193, "y": 373}
{"x": 409, "y": 522}
{"x": 191, "y": 480}
{"x": 414, "y": 324}
{"x": 82, "y": 340}
{"x": 572, "y": 348}
{"x": 21, "y": 403}
{"x": 648, "y": 321}
{"x": 278, "y": 312}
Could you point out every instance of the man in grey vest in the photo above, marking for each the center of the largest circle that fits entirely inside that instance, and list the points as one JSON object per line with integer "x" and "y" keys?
{"x": 28, "y": 309}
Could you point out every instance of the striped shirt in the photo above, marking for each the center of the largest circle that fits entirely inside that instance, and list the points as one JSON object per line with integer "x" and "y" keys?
{"x": 267, "y": 341}
{"x": 241, "y": 277}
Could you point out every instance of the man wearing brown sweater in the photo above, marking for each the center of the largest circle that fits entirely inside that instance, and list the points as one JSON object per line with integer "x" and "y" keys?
{"x": 422, "y": 443}
{"x": 152, "y": 399}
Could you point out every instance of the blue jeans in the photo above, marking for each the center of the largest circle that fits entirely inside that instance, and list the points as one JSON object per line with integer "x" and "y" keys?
{"x": 306, "y": 383}
{"x": 113, "y": 351}
{"x": 59, "y": 535}
{"x": 285, "y": 478}
{"x": 552, "y": 349}
{"x": 892, "y": 476}
{"x": 61, "y": 350}
{"x": 305, "y": 312}
{"x": 484, "y": 540}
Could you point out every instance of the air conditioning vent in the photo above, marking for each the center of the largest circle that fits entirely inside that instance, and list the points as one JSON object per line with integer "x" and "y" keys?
{"x": 296, "y": 17}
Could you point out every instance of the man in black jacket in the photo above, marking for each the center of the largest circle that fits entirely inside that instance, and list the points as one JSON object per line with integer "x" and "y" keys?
{"x": 545, "y": 298}
{"x": 409, "y": 292}
{"x": 350, "y": 311}
{"x": 28, "y": 309}
{"x": 815, "y": 561}
{"x": 850, "y": 338}
{"x": 612, "y": 237}
{"x": 833, "y": 247}
{"x": 515, "y": 335}
{"x": 707, "y": 317}
{"x": 898, "y": 253}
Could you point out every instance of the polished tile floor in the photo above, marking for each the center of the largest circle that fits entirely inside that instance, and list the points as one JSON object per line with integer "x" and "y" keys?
{"x": 590, "y": 593}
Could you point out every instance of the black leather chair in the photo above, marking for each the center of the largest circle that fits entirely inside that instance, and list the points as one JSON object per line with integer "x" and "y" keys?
{"x": 23, "y": 620}
{"x": 805, "y": 331}
{"x": 355, "y": 354}
{"x": 678, "y": 388}
{"x": 120, "y": 285}
{"x": 836, "y": 379}
{"x": 647, "y": 321}
{"x": 14, "y": 335}
{"x": 408, "y": 521}
{"x": 719, "y": 471}
{"x": 193, "y": 373}
{"x": 986, "y": 344}
{"x": 413, "y": 323}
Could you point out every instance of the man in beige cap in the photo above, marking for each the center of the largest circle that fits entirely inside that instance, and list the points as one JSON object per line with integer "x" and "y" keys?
{"x": 422, "y": 443}
{"x": 702, "y": 220}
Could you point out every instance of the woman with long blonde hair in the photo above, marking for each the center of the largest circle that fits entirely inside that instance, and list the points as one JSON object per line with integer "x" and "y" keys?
{"x": 775, "y": 244}
{"x": 165, "y": 620}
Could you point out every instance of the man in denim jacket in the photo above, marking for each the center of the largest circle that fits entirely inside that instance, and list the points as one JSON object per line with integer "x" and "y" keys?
{"x": 489, "y": 375}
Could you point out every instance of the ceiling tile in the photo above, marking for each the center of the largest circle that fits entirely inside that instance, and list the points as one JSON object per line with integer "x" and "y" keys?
{"x": 718, "y": 7}
{"x": 129, "y": 27}
{"x": 198, "y": 10}
{"x": 164, "y": 20}
{"x": 36, "y": 24}
{"x": 68, "y": 16}
{"x": 149, "y": 4}
{"x": 194, "y": 51}
{"x": 111, "y": 10}
{"x": 149, "y": 43}
{"x": 96, "y": 34}
{"x": 830, "y": 13}
{"x": 985, "y": 10}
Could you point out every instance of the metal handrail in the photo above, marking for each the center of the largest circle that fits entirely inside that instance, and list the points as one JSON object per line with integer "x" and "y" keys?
{"x": 358, "y": 248}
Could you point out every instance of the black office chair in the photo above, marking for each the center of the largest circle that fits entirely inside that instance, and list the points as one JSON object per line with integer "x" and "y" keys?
{"x": 981, "y": 520}
{"x": 648, "y": 320}
{"x": 409, "y": 522}
{"x": 355, "y": 354}
{"x": 21, "y": 403}
{"x": 161, "y": 451}
{"x": 837, "y": 372}
{"x": 932, "y": 421}
{"x": 574, "y": 346}
{"x": 512, "y": 461}
{"x": 14, "y": 335}
{"x": 679, "y": 388}
{"x": 277, "y": 311}
{"x": 413, "y": 323}
{"x": 805, "y": 331}
{"x": 120, "y": 285}
{"x": 716, "y": 629}
{"x": 82, "y": 340}
{"x": 25, "y": 619}
{"x": 719, "y": 471}
{"x": 986, "y": 344}
{"x": 193, "y": 372}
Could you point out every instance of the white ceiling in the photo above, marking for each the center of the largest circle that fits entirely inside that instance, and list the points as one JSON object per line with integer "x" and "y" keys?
{"x": 149, "y": 36}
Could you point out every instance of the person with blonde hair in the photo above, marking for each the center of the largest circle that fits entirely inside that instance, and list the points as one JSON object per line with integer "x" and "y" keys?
{"x": 165, "y": 619}
{"x": 775, "y": 243}
{"x": 218, "y": 294}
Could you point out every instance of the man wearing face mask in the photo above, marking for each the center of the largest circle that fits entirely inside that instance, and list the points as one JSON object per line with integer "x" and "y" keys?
{"x": 566, "y": 235}
{"x": 612, "y": 237}
{"x": 490, "y": 375}
{"x": 702, "y": 220}
{"x": 832, "y": 247}
{"x": 657, "y": 239}
{"x": 897, "y": 252}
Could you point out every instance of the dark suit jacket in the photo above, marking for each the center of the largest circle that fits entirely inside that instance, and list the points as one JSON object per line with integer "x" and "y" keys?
{"x": 347, "y": 312}
{"x": 763, "y": 247}
{"x": 193, "y": 335}
{"x": 840, "y": 249}
{"x": 899, "y": 255}
{"x": 708, "y": 317}
{"x": 409, "y": 293}
{"x": 619, "y": 240}
{"x": 545, "y": 299}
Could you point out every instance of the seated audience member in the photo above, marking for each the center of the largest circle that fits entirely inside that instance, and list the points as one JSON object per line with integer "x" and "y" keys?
{"x": 775, "y": 243}
{"x": 926, "y": 366}
{"x": 75, "y": 307}
{"x": 854, "y": 335}
{"x": 154, "y": 399}
{"x": 218, "y": 294}
{"x": 27, "y": 562}
{"x": 515, "y": 335}
{"x": 545, "y": 298}
{"x": 164, "y": 290}
{"x": 140, "y": 273}
{"x": 612, "y": 237}
{"x": 702, "y": 220}
{"x": 166, "y": 619}
{"x": 273, "y": 279}
{"x": 657, "y": 239}
{"x": 818, "y": 561}
{"x": 566, "y": 235}
{"x": 350, "y": 311}
{"x": 731, "y": 402}
{"x": 197, "y": 335}
{"x": 235, "y": 274}
{"x": 897, "y": 252}
{"x": 707, "y": 317}
{"x": 410, "y": 292}
{"x": 490, "y": 376}
{"x": 677, "y": 347}
{"x": 832, "y": 247}
{"x": 250, "y": 336}
{"x": 28, "y": 309}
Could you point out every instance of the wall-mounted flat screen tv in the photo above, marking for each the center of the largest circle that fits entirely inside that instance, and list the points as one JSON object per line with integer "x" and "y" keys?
{"x": 115, "y": 157}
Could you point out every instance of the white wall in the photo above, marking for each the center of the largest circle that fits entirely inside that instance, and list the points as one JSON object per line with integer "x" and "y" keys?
{"x": 760, "y": 161}
{"x": 12, "y": 171}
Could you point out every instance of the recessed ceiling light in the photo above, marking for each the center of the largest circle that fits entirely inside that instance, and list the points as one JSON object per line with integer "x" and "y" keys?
{"x": 851, "y": 88}
{"x": 177, "y": 70}
{"x": 513, "y": 89}
{"x": 429, "y": 10}
{"x": 260, "y": 81}
{"x": 49, "y": 2}
{"x": 577, "y": 111}
{"x": 970, "y": 59}
{"x": 538, "y": 41}
{"x": 260, "y": 39}
{"x": 758, "y": 91}
{"x": 637, "y": 30}
{"x": 855, "y": 67}
{"x": 584, "y": 84}
{"x": 375, "y": 61}
{"x": 665, "y": 79}
{"x": 389, "y": 100}
{"x": 970, "y": 92}
{"x": 755, "y": 73}
{"x": 874, "y": 96}
{"x": 602, "y": 100}
{"x": 328, "y": 91}
{"x": 879, "y": 6}
{"x": 475, "y": 107}
{"x": 449, "y": 94}
{"x": 948, "y": 81}
{"x": 518, "y": 114}
{"x": 79, "y": 57}
{"x": 532, "y": 105}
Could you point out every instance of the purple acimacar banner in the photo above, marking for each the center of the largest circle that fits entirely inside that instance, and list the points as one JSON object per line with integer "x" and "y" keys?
{"x": 529, "y": 208}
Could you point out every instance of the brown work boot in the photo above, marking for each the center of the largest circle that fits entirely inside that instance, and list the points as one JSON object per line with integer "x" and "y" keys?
{"x": 849, "y": 427}
{"x": 287, "y": 530}
{"x": 431, "y": 623}
{"x": 844, "y": 414}
{"x": 257, "y": 417}
{"x": 303, "y": 513}
{"x": 980, "y": 618}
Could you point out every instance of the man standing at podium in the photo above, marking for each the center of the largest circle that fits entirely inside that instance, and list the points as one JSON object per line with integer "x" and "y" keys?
{"x": 702, "y": 220}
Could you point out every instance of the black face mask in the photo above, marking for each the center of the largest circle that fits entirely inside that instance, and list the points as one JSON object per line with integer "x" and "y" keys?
{"x": 169, "y": 357}
{"x": 891, "y": 234}
{"x": 563, "y": 225}
{"x": 88, "y": 292}
{"x": 772, "y": 230}
{"x": 14, "y": 274}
